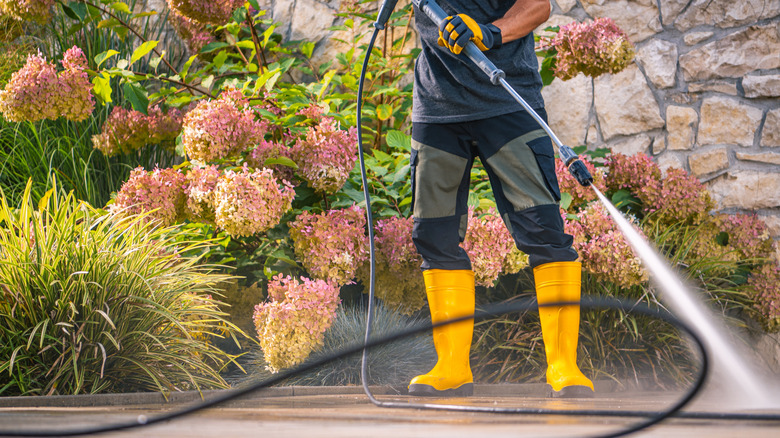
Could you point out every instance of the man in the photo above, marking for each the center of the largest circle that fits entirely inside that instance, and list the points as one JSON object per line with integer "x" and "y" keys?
{"x": 457, "y": 115}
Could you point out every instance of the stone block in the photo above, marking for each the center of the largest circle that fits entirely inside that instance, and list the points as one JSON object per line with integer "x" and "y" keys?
{"x": 670, "y": 9}
{"x": 694, "y": 38}
{"x": 636, "y": 144}
{"x": 735, "y": 55}
{"x": 568, "y": 106}
{"x": 681, "y": 124}
{"x": 726, "y": 13}
{"x": 728, "y": 121}
{"x": 668, "y": 161}
{"x": 745, "y": 189}
{"x": 638, "y": 18}
{"x": 566, "y": 5}
{"x": 659, "y": 60}
{"x": 722, "y": 87}
{"x": 710, "y": 161}
{"x": 311, "y": 20}
{"x": 770, "y": 135}
{"x": 761, "y": 86}
{"x": 625, "y": 105}
{"x": 762, "y": 157}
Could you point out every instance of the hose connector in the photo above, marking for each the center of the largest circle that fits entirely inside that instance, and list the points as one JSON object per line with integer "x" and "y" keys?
{"x": 576, "y": 167}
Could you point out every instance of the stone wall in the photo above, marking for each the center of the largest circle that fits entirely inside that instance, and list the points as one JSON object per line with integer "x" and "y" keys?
{"x": 703, "y": 93}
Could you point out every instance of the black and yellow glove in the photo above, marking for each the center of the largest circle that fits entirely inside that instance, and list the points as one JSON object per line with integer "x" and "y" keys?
{"x": 456, "y": 31}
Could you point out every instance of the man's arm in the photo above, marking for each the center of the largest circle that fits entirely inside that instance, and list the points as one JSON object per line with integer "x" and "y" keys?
{"x": 522, "y": 18}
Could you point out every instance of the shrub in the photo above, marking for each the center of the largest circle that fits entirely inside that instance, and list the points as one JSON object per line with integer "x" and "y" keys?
{"x": 93, "y": 303}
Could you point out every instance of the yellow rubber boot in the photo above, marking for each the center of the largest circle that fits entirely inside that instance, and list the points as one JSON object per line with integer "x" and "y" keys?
{"x": 561, "y": 282}
{"x": 450, "y": 295}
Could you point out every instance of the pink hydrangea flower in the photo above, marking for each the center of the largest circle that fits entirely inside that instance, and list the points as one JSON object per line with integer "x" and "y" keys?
{"x": 249, "y": 202}
{"x": 38, "y": 92}
{"x": 27, "y": 10}
{"x": 200, "y": 193}
{"x": 125, "y": 131}
{"x": 681, "y": 198}
{"x": 193, "y": 32}
{"x": 399, "y": 281}
{"x": 490, "y": 247}
{"x": 292, "y": 323}
{"x": 603, "y": 249}
{"x": 267, "y": 150}
{"x": 591, "y": 48}
{"x": 326, "y": 156}
{"x": 221, "y": 128}
{"x": 764, "y": 283}
{"x": 206, "y": 11}
{"x": 331, "y": 245}
{"x": 748, "y": 235}
{"x": 160, "y": 192}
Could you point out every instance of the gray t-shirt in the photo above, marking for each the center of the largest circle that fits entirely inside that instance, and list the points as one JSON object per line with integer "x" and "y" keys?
{"x": 449, "y": 88}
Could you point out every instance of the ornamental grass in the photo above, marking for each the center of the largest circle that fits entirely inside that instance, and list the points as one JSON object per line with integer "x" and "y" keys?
{"x": 94, "y": 303}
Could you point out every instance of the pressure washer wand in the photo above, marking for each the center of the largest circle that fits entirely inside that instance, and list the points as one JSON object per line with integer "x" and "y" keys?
{"x": 498, "y": 77}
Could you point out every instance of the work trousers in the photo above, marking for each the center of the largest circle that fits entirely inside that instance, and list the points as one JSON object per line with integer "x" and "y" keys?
{"x": 519, "y": 159}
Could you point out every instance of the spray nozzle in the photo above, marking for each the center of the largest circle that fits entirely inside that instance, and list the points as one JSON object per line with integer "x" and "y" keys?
{"x": 575, "y": 165}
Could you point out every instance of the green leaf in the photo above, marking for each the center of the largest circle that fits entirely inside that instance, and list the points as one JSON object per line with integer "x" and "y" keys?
{"x": 143, "y": 50}
{"x": 220, "y": 59}
{"x": 101, "y": 87}
{"x": 210, "y": 47}
{"x": 255, "y": 5}
{"x": 284, "y": 161}
{"x": 722, "y": 238}
{"x": 307, "y": 48}
{"x": 398, "y": 140}
{"x": 547, "y": 70}
{"x": 78, "y": 9}
{"x": 566, "y": 200}
{"x": 207, "y": 82}
{"x": 120, "y": 7}
{"x": 384, "y": 111}
{"x": 186, "y": 67}
{"x": 100, "y": 58}
{"x": 137, "y": 96}
{"x": 246, "y": 44}
{"x": 143, "y": 14}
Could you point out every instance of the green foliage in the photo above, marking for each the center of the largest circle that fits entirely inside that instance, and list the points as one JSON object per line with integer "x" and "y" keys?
{"x": 91, "y": 304}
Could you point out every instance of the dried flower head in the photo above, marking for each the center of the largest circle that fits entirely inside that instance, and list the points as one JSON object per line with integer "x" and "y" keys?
{"x": 200, "y": 193}
{"x": 326, "y": 156}
{"x": 399, "y": 280}
{"x": 568, "y": 184}
{"x": 160, "y": 192}
{"x": 125, "y": 131}
{"x": 221, "y": 128}
{"x": 603, "y": 249}
{"x": 490, "y": 247}
{"x": 206, "y": 11}
{"x": 331, "y": 245}
{"x": 292, "y": 323}
{"x": 764, "y": 285}
{"x": 27, "y": 10}
{"x": 248, "y": 202}
{"x": 37, "y": 91}
{"x": 195, "y": 33}
{"x": 591, "y": 48}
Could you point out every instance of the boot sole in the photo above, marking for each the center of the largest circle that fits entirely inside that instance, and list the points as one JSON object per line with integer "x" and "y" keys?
{"x": 574, "y": 391}
{"x": 420, "y": 390}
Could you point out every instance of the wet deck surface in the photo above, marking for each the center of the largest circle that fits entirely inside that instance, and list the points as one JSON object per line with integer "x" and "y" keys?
{"x": 330, "y": 414}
